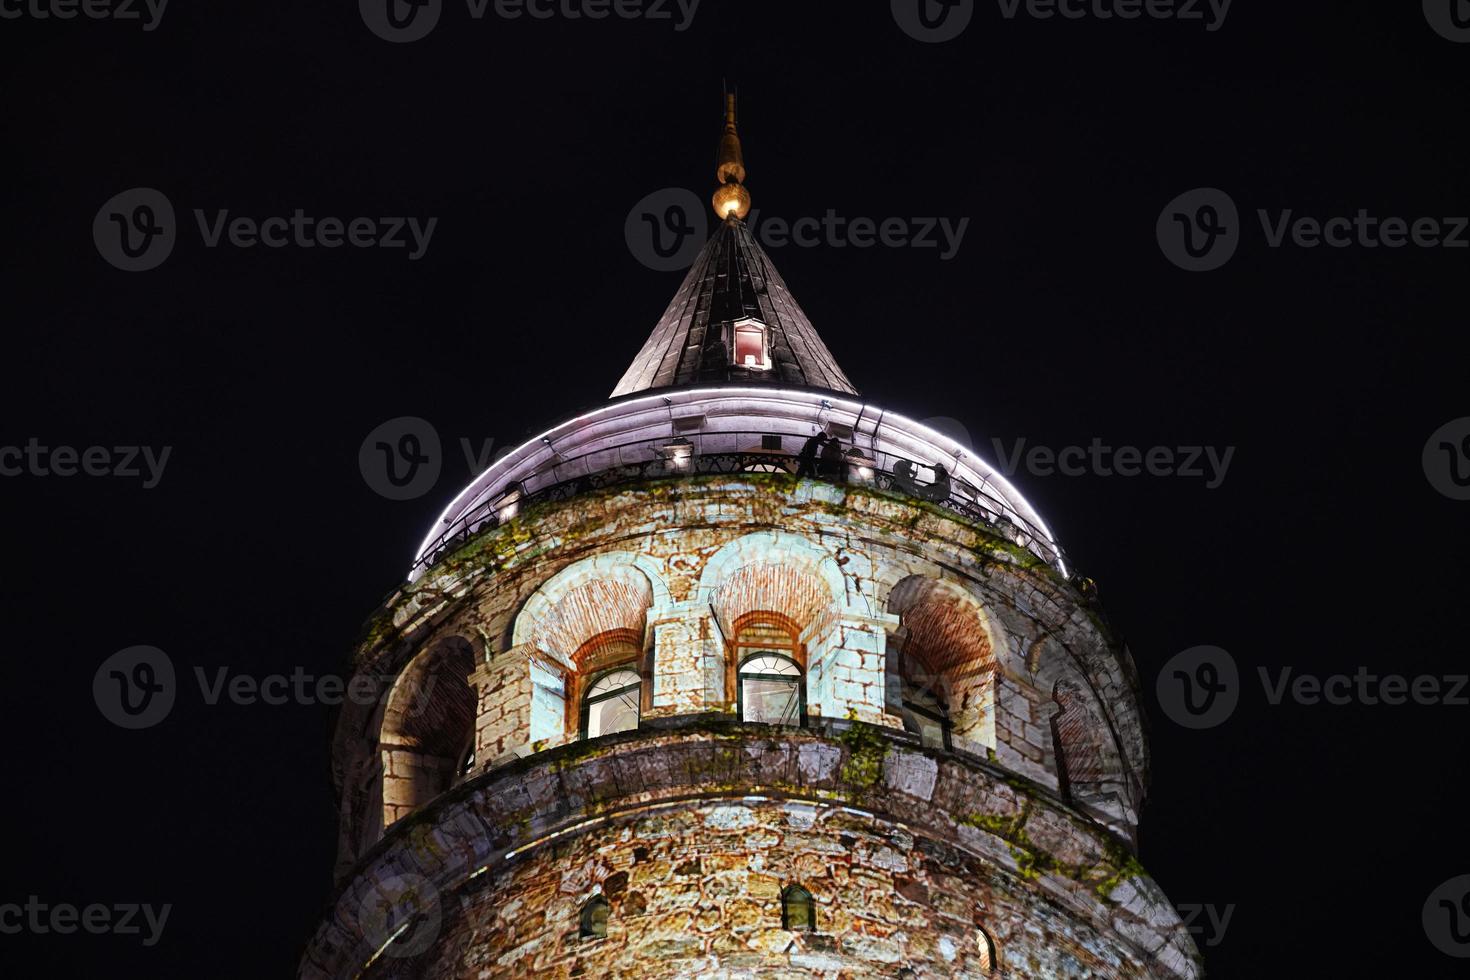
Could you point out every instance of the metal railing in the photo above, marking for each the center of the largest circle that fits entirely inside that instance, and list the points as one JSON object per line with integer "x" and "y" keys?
{"x": 670, "y": 457}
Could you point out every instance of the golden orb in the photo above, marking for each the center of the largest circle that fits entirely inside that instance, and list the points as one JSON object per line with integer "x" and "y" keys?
{"x": 731, "y": 199}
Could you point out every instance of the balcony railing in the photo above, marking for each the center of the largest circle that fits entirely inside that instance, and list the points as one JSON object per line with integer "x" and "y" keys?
{"x": 666, "y": 458}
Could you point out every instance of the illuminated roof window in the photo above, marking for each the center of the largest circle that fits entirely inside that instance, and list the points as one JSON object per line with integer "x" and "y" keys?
{"x": 750, "y": 345}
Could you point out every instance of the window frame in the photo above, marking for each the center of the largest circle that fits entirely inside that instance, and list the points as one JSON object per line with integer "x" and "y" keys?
{"x": 757, "y": 653}
{"x": 584, "y": 931}
{"x": 907, "y": 705}
{"x": 587, "y": 700}
{"x": 791, "y": 891}
{"x": 751, "y": 325}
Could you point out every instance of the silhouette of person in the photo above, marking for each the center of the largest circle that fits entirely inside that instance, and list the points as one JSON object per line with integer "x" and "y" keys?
{"x": 806, "y": 460}
{"x": 939, "y": 490}
{"x": 833, "y": 463}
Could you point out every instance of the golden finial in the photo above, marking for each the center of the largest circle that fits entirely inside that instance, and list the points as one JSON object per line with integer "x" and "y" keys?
{"x": 731, "y": 198}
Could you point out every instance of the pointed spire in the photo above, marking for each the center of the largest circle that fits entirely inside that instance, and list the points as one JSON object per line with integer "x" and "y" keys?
{"x": 731, "y": 198}
{"x": 733, "y": 321}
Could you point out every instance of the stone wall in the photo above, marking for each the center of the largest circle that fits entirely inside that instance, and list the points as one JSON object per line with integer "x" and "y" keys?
{"x": 695, "y": 891}
{"x": 691, "y": 833}
{"x": 677, "y": 563}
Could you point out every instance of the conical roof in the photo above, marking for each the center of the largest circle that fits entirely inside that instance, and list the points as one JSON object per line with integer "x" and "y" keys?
{"x": 733, "y": 320}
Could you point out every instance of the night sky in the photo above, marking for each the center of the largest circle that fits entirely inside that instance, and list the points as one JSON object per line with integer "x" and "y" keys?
{"x": 1059, "y": 321}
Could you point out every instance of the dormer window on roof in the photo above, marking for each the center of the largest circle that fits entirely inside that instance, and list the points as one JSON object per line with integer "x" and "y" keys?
{"x": 751, "y": 349}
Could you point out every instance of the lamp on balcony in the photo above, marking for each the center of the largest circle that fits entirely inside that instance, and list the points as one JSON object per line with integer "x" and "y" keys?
{"x": 508, "y": 504}
{"x": 860, "y": 464}
{"x": 677, "y": 452}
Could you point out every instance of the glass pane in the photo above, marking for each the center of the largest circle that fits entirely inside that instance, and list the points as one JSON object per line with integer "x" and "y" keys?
{"x": 770, "y": 664}
{"x": 611, "y": 682}
{"x": 797, "y": 909}
{"x": 772, "y": 700}
{"x": 618, "y": 713}
{"x": 930, "y": 731}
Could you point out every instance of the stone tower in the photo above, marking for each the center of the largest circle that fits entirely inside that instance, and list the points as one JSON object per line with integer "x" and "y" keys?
{"x": 672, "y": 691}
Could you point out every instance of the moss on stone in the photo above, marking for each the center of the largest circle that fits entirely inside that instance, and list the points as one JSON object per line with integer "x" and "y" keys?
{"x": 865, "y": 751}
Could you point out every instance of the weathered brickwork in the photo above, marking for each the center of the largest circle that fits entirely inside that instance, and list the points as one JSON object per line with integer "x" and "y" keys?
{"x": 1020, "y": 824}
{"x": 696, "y": 892}
{"x": 880, "y": 830}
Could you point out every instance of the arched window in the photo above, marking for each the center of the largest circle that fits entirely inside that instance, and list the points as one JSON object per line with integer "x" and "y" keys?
{"x": 592, "y": 924}
{"x": 611, "y": 703}
{"x": 924, "y": 710}
{"x": 798, "y": 912}
{"x": 987, "y": 950}
{"x": 771, "y": 690}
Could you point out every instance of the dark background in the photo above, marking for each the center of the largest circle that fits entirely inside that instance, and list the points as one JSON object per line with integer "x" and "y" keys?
{"x": 263, "y": 549}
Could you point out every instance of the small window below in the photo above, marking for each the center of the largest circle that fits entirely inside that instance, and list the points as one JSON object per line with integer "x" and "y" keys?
{"x": 467, "y": 761}
{"x": 611, "y": 704}
{"x": 987, "y": 950}
{"x": 798, "y": 913}
{"x": 593, "y": 922}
